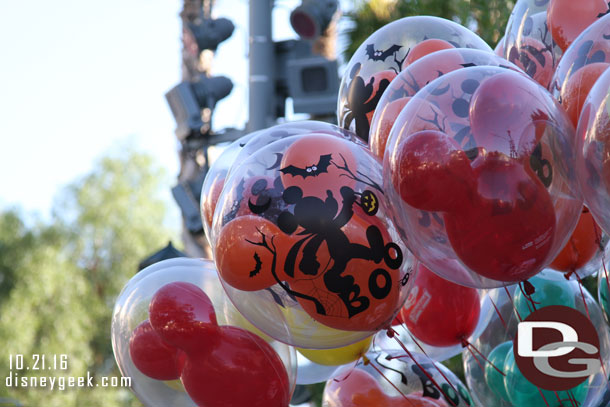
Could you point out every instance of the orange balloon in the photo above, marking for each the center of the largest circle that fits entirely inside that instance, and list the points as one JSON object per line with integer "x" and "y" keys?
{"x": 424, "y": 48}
{"x": 356, "y": 290}
{"x": 582, "y": 245}
{"x": 535, "y": 59}
{"x": 241, "y": 257}
{"x": 568, "y": 18}
{"x": 210, "y": 201}
{"x": 316, "y": 164}
{"x": 576, "y": 89}
{"x": 379, "y": 134}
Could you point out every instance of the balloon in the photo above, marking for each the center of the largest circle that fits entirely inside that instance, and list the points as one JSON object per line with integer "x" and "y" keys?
{"x": 528, "y": 42}
{"x": 381, "y": 57}
{"x": 593, "y": 167}
{"x": 165, "y": 327}
{"x": 477, "y": 196}
{"x": 548, "y": 292}
{"x": 439, "y": 312}
{"x": 581, "y": 66}
{"x": 424, "y": 48}
{"x": 414, "y": 77}
{"x": 603, "y": 293}
{"x": 214, "y": 182}
{"x": 582, "y": 254}
{"x": 336, "y": 269}
{"x": 337, "y": 356}
{"x": 493, "y": 378}
{"x": 500, "y": 50}
{"x": 578, "y": 86}
{"x": 567, "y": 19}
{"x": 493, "y": 389}
{"x": 363, "y": 386}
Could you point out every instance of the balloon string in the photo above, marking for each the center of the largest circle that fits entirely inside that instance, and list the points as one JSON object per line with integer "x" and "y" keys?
{"x": 367, "y": 362}
{"x": 468, "y": 345}
{"x": 476, "y": 359}
{"x": 436, "y": 367}
{"x": 350, "y": 371}
{"x": 499, "y": 314}
{"x": 527, "y": 289}
{"x": 582, "y": 294}
{"x": 573, "y": 398}
{"x": 513, "y": 303}
{"x": 391, "y": 334}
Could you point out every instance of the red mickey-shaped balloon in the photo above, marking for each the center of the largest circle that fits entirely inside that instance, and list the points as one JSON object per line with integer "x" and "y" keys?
{"x": 241, "y": 370}
{"x": 439, "y": 312}
{"x": 183, "y": 316}
{"x": 434, "y": 173}
{"x": 219, "y": 366}
{"x": 152, "y": 356}
{"x": 507, "y": 231}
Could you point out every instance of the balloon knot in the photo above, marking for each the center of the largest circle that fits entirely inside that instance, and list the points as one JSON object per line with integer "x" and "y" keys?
{"x": 365, "y": 360}
{"x": 464, "y": 343}
{"x": 390, "y": 332}
{"x": 529, "y": 288}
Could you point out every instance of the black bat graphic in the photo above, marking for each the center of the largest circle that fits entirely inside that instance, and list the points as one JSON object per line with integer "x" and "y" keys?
{"x": 378, "y": 55}
{"x": 257, "y": 266}
{"x": 311, "y": 171}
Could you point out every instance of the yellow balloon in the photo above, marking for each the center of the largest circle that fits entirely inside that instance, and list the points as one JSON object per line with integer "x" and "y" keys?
{"x": 175, "y": 384}
{"x": 337, "y": 356}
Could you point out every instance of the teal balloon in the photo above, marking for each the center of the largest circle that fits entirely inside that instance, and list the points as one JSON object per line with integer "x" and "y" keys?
{"x": 522, "y": 393}
{"x": 493, "y": 378}
{"x": 604, "y": 296}
{"x": 547, "y": 293}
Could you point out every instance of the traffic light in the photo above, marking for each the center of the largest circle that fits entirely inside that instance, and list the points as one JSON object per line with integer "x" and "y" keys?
{"x": 192, "y": 103}
{"x": 312, "y": 81}
{"x": 187, "y": 195}
{"x": 209, "y": 32}
{"x": 313, "y": 17}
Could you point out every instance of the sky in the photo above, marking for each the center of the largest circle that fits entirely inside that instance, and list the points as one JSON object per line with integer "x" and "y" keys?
{"x": 78, "y": 78}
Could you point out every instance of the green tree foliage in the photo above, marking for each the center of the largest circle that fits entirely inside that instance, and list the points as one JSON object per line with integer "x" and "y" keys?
{"x": 59, "y": 282}
{"x": 487, "y": 18}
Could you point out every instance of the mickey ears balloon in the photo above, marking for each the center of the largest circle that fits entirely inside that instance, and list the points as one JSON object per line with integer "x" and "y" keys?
{"x": 474, "y": 165}
{"x": 175, "y": 343}
{"x": 305, "y": 236}
{"x": 384, "y": 54}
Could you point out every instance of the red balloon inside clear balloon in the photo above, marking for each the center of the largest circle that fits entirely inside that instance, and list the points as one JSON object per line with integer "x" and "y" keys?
{"x": 152, "y": 356}
{"x": 439, "y": 312}
{"x": 184, "y": 338}
{"x": 581, "y": 247}
{"x": 379, "y": 138}
{"x": 505, "y": 115}
{"x": 424, "y": 48}
{"x": 434, "y": 172}
{"x": 507, "y": 231}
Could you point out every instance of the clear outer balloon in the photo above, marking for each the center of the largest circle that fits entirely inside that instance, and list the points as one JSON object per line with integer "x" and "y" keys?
{"x": 132, "y": 308}
{"x": 214, "y": 181}
{"x": 584, "y": 252}
{"x": 280, "y": 131}
{"x": 414, "y": 77}
{"x": 381, "y": 57}
{"x": 528, "y": 41}
{"x": 593, "y": 166}
{"x": 499, "y": 50}
{"x": 582, "y": 64}
{"x": 321, "y": 252}
{"x": 480, "y": 169}
{"x": 363, "y": 386}
{"x": 489, "y": 388}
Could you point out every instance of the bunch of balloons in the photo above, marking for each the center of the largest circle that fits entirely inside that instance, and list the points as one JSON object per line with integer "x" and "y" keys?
{"x": 458, "y": 205}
